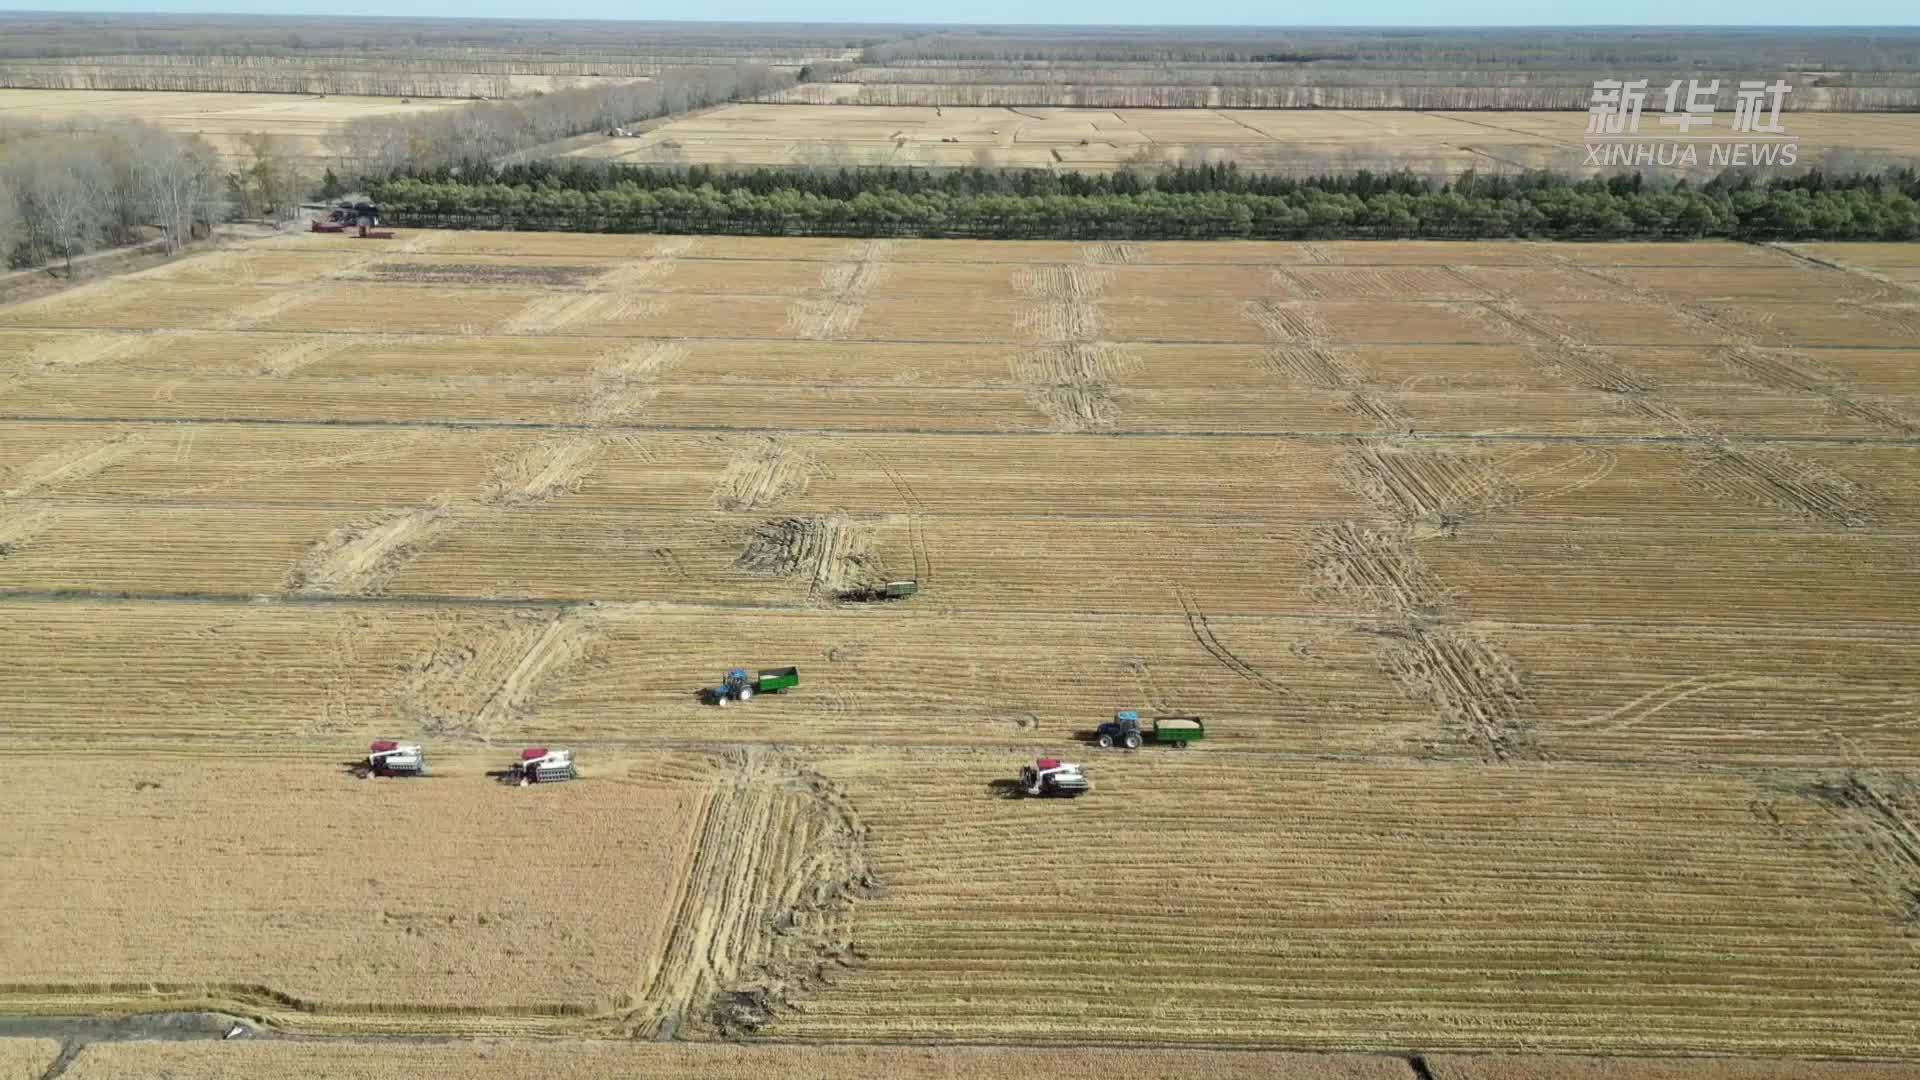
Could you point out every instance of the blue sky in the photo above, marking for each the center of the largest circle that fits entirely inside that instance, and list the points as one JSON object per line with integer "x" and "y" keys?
{"x": 1746, "y": 14}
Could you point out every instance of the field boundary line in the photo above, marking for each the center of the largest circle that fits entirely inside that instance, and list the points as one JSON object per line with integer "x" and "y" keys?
{"x": 1329, "y": 435}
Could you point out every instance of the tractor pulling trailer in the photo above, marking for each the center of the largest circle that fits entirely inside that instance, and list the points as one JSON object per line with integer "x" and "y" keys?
{"x": 1125, "y": 730}
{"x": 741, "y": 684}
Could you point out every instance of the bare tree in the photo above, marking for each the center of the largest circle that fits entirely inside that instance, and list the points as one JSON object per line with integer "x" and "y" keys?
{"x": 64, "y": 199}
{"x": 10, "y": 228}
{"x": 181, "y": 181}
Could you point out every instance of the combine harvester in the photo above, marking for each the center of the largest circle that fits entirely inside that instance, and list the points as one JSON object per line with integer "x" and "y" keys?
{"x": 742, "y": 685}
{"x": 1049, "y": 777}
{"x": 539, "y": 765}
{"x": 389, "y": 758}
{"x": 880, "y": 594}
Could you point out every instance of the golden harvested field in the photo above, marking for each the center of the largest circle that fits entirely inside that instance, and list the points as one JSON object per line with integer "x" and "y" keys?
{"x": 1551, "y": 608}
{"x": 303, "y": 125}
{"x": 505, "y": 1060}
{"x": 26, "y": 1059}
{"x": 1512, "y": 1067}
{"x": 253, "y": 881}
{"x": 1302, "y": 141}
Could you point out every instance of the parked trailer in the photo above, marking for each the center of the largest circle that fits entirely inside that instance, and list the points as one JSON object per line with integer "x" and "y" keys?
{"x": 1174, "y": 731}
{"x": 741, "y": 684}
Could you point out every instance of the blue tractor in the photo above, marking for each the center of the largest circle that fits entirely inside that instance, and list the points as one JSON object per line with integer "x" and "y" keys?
{"x": 741, "y": 684}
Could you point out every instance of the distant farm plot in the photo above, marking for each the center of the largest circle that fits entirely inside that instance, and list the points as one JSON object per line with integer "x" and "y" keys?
{"x": 1296, "y": 141}
{"x": 1550, "y": 608}
{"x": 302, "y": 126}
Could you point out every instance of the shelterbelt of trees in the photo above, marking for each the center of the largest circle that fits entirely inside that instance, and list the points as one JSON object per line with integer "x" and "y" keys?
{"x": 1208, "y": 202}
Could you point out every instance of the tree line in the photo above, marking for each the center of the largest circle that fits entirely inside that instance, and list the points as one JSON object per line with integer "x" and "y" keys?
{"x": 1714, "y": 49}
{"x": 65, "y": 192}
{"x": 42, "y": 33}
{"x": 1204, "y": 203}
{"x": 379, "y": 146}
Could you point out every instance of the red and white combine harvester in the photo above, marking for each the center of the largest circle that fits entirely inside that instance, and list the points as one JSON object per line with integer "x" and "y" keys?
{"x": 389, "y": 758}
{"x": 1051, "y": 777}
{"x": 539, "y": 765}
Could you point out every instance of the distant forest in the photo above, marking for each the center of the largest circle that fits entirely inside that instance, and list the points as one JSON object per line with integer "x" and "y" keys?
{"x": 54, "y": 34}
{"x": 1214, "y": 202}
{"x": 50, "y": 35}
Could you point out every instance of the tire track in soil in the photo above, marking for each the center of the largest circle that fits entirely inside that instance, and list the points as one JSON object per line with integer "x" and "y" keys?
{"x": 72, "y": 461}
{"x": 1307, "y": 356}
{"x": 1745, "y": 356}
{"x": 1767, "y": 475}
{"x": 1873, "y": 816}
{"x": 846, "y": 285}
{"x": 764, "y": 472}
{"x": 1204, "y": 635}
{"x": 766, "y": 911}
{"x": 919, "y": 550}
{"x": 358, "y": 559}
{"x": 489, "y": 675}
{"x": 1316, "y": 367}
{"x": 831, "y": 553}
{"x": 561, "y": 644}
{"x": 1069, "y": 373}
{"x": 1770, "y": 476}
{"x": 1469, "y": 681}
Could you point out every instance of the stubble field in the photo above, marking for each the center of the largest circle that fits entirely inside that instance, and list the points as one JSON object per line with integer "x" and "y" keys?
{"x": 1551, "y": 608}
{"x": 1287, "y": 141}
{"x": 302, "y": 126}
